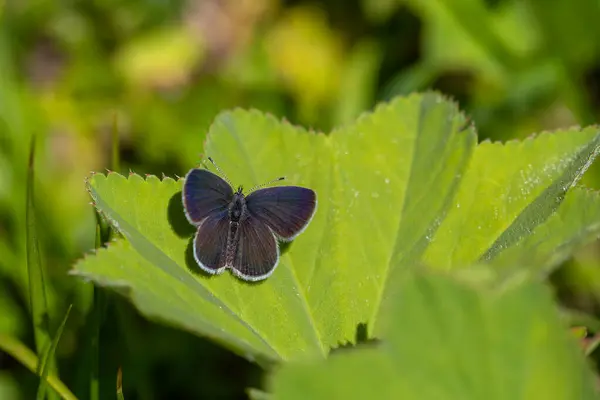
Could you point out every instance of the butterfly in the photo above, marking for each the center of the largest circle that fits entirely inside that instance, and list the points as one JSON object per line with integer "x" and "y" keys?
{"x": 242, "y": 231}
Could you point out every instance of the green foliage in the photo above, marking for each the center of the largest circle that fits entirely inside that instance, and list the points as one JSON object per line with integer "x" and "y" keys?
{"x": 28, "y": 358}
{"x": 161, "y": 71}
{"x": 454, "y": 339}
{"x": 384, "y": 207}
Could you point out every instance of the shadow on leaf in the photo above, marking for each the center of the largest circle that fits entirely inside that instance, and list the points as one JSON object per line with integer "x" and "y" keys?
{"x": 284, "y": 247}
{"x": 177, "y": 219}
{"x": 192, "y": 265}
{"x": 361, "y": 339}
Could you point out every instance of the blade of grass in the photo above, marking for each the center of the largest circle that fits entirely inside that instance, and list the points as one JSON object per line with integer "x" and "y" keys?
{"x": 98, "y": 315}
{"x": 27, "y": 358}
{"x": 115, "y": 166}
{"x": 38, "y": 302}
{"x": 120, "y": 384}
{"x": 99, "y": 296}
{"x": 115, "y": 144}
{"x": 41, "y": 393}
{"x": 103, "y": 233}
{"x": 99, "y": 312}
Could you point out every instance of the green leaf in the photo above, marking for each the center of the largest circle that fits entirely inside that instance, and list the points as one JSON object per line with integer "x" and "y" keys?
{"x": 523, "y": 184}
{"x": 564, "y": 232}
{"x": 454, "y": 340}
{"x": 44, "y": 366}
{"x": 402, "y": 186}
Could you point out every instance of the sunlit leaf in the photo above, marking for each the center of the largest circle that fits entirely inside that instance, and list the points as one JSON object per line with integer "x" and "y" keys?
{"x": 402, "y": 186}
{"x": 452, "y": 340}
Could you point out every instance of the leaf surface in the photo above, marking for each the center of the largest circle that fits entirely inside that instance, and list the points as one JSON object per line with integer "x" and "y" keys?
{"x": 403, "y": 185}
{"x": 454, "y": 339}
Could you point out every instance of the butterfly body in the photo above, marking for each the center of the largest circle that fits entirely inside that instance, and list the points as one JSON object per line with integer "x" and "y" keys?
{"x": 237, "y": 212}
{"x": 240, "y": 232}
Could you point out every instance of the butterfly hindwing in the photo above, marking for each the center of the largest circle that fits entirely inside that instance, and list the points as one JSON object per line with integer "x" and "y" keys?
{"x": 210, "y": 243}
{"x": 204, "y": 194}
{"x": 287, "y": 210}
{"x": 257, "y": 253}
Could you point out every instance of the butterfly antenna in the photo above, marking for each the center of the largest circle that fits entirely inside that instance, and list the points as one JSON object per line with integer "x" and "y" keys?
{"x": 219, "y": 171}
{"x": 266, "y": 184}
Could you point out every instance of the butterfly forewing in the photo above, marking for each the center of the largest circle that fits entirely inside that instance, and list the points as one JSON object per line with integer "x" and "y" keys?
{"x": 204, "y": 194}
{"x": 285, "y": 209}
{"x": 210, "y": 243}
{"x": 257, "y": 253}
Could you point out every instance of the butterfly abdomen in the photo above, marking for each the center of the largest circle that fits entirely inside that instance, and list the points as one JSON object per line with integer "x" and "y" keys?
{"x": 232, "y": 243}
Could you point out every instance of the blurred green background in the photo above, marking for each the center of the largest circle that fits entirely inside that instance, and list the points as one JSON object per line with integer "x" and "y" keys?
{"x": 158, "y": 72}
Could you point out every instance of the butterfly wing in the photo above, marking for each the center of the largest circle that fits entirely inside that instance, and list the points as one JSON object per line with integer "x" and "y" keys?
{"x": 210, "y": 243}
{"x": 287, "y": 210}
{"x": 257, "y": 253}
{"x": 203, "y": 194}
